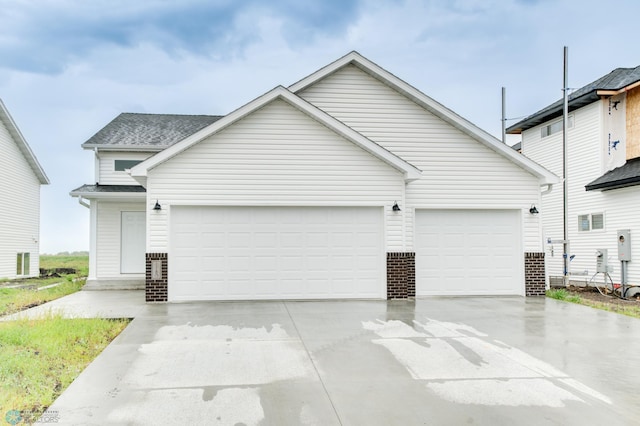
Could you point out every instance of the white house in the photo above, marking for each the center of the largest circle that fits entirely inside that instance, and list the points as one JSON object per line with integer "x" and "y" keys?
{"x": 603, "y": 143}
{"x": 348, "y": 184}
{"x": 20, "y": 178}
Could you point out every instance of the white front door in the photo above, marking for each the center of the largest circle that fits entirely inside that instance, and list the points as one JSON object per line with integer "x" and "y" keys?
{"x": 132, "y": 247}
{"x": 231, "y": 253}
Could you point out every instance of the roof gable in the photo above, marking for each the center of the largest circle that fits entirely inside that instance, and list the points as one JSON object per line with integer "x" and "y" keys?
{"x": 429, "y": 104}
{"x": 410, "y": 172}
{"x": 148, "y": 132}
{"x": 22, "y": 144}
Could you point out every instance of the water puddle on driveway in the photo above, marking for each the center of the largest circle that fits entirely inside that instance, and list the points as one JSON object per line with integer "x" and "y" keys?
{"x": 461, "y": 364}
{"x": 188, "y": 407}
{"x": 212, "y": 374}
{"x": 220, "y": 332}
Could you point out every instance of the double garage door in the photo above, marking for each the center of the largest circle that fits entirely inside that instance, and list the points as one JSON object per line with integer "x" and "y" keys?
{"x": 234, "y": 253}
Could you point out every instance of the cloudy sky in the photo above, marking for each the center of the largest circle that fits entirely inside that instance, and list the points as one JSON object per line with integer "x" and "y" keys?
{"x": 67, "y": 67}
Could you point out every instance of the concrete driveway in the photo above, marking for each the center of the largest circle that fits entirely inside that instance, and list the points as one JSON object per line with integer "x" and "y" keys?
{"x": 442, "y": 361}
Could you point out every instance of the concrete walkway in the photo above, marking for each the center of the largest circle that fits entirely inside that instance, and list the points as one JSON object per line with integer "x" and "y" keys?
{"x": 480, "y": 361}
{"x": 90, "y": 304}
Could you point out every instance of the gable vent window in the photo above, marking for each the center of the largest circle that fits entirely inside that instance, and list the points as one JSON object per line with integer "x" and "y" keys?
{"x": 553, "y": 128}
{"x": 591, "y": 222}
{"x": 122, "y": 165}
{"x": 23, "y": 264}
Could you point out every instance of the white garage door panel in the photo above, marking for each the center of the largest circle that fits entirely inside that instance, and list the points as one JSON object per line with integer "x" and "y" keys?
{"x": 468, "y": 252}
{"x": 227, "y": 253}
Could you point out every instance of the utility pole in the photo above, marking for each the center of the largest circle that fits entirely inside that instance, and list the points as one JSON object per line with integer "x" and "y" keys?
{"x": 504, "y": 115}
{"x": 565, "y": 188}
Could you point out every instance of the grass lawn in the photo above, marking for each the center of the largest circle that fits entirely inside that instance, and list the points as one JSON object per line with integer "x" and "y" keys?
{"x": 40, "y": 358}
{"x": 14, "y": 300}
{"x": 78, "y": 262}
{"x": 628, "y": 308}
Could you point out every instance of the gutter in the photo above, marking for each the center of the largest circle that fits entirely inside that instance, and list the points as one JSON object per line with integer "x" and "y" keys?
{"x": 134, "y": 148}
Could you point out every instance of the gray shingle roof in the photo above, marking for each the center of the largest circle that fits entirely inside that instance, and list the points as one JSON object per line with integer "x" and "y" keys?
{"x": 620, "y": 177}
{"x": 108, "y": 188}
{"x": 155, "y": 131}
{"x": 615, "y": 80}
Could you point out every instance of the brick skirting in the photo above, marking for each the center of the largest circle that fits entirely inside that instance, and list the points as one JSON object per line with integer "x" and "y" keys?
{"x": 534, "y": 274}
{"x": 401, "y": 275}
{"x": 156, "y": 280}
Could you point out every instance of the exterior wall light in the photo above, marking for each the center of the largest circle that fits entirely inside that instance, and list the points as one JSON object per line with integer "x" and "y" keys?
{"x": 157, "y": 206}
{"x": 396, "y": 207}
{"x": 533, "y": 210}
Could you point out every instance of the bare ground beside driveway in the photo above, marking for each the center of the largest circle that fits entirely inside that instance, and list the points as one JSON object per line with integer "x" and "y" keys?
{"x": 430, "y": 361}
{"x": 608, "y": 299}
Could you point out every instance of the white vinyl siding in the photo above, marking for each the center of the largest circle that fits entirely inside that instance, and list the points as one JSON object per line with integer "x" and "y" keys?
{"x": 276, "y": 156}
{"x": 108, "y": 238}
{"x": 586, "y": 143}
{"x": 458, "y": 172}
{"x": 19, "y": 208}
{"x": 107, "y": 170}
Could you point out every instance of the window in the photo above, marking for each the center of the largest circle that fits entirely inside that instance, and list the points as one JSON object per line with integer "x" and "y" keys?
{"x": 556, "y": 127}
{"x": 122, "y": 165}
{"x": 23, "y": 264}
{"x": 591, "y": 222}
{"x": 597, "y": 221}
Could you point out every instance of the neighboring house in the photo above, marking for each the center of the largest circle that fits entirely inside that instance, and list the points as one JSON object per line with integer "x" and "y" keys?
{"x": 348, "y": 184}
{"x": 517, "y": 147}
{"x": 20, "y": 178}
{"x": 603, "y": 143}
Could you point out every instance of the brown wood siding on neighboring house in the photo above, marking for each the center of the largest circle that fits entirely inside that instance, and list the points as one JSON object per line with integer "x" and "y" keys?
{"x": 633, "y": 123}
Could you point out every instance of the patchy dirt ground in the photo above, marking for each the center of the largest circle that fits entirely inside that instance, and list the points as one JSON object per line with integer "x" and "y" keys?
{"x": 614, "y": 302}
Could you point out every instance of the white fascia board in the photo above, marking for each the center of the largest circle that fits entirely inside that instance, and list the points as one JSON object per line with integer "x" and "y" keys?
{"x": 431, "y": 105}
{"x": 311, "y": 79}
{"x": 24, "y": 147}
{"x": 125, "y": 148}
{"x": 131, "y": 196}
{"x": 410, "y": 172}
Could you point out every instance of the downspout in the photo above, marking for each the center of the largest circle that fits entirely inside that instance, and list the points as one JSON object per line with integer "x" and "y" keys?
{"x": 83, "y": 202}
{"x": 548, "y": 190}
{"x": 96, "y": 165}
{"x": 565, "y": 178}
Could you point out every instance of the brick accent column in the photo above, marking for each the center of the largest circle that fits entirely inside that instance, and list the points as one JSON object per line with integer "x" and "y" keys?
{"x": 401, "y": 275}
{"x": 534, "y": 274}
{"x": 156, "y": 277}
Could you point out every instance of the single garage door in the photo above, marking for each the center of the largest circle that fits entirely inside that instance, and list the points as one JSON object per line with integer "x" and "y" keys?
{"x": 236, "y": 253}
{"x": 468, "y": 252}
